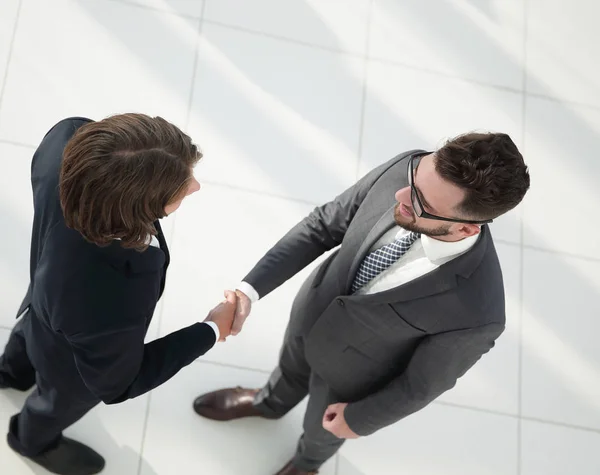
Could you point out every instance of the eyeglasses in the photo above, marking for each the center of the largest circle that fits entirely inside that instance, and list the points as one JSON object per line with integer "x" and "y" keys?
{"x": 417, "y": 204}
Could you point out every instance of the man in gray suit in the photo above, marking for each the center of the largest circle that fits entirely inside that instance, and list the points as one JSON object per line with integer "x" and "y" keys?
{"x": 411, "y": 299}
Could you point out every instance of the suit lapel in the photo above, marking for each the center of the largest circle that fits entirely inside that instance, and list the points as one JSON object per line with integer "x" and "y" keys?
{"x": 385, "y": 223}
{"x": 162, "y": 242}
{"x": 440, "y": 280}
{"x": 163, "y": 246}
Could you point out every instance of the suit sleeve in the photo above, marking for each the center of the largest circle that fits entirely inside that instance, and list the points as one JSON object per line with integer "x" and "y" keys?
{"x": 116, "y": 365}
{"x": 322, "y": 230}
{"x": 435, "y": 367}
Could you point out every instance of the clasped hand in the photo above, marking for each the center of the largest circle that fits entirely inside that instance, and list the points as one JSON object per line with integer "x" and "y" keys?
{"x": 231, "y": 313}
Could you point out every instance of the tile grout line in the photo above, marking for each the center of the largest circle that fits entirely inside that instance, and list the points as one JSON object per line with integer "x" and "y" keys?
{"x": 522, "y": 224}
{"x": 172, "y": 233}
{"x": 356, "y": 55}
{"x": 522, "y": 256}
{"x": 438, "y": 403}
{"x": 433, "y": 72}
{"x": 227, "y": 365}
{"x": 561, "y": 253}
{"x": 285, "y": 39}
{"x": 361, "y": 123}
{"x": 10, "y": 51}
{"x": 261, "y": 193}
{"x": 476, "y": 409}
{"x": 567, "y": 102}
{"x": 149, "y": 402}
{"x": 360, "y": 56}
{"x": 506, "y": 243}
{"x": 155, "y": 9}
{"x": 392, "y": 62}
{"x": 315, "y": 203}
{"x": 17, "y": 144}
{"x": 144, "y": 433}
{"x": 561, "y": 424}
{"x": 195, "y": 68}
{"x": 516, "y": 416}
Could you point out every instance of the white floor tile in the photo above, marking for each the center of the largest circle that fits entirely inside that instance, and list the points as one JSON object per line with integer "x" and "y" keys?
{"x": 116, "y": 432}
{"x": 220, "y": 234}
{"x": 179, "y": 441}
{"x": 437, "y": 440}
{"x": 481, "y": 41}
{"x": 337, "y": 24}
{"x": 16, "y": 213}
{"x": 277, "y": 117}
{"x": 560, "y": 140}
{"x": 192, "y": 8}
{"x": 554, "y": 450}
{"x": 8, "y": 16}
{"x": 53, "y": 74}
{"x": 345, "y": 467}
{"x": 562, "y": 59}
{"x": 561, "y": 380}
{"x": 406, "y": 109}
{"x": 493, "y": 383}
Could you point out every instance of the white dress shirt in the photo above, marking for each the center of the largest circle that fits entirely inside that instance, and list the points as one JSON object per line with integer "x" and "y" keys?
{"x": 425, "y": 255}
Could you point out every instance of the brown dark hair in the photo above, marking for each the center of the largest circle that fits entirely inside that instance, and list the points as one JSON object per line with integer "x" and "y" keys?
{"x": 491, "y": 170}
{"x": 118, "y": 175}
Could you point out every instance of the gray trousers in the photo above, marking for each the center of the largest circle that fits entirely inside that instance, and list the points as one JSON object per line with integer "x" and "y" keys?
{"x": 288, "y": 385}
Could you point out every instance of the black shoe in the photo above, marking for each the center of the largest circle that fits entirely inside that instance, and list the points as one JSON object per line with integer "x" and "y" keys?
{"x": 69, "y": 457}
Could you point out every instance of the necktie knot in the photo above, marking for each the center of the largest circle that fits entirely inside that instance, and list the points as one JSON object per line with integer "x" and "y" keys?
{"x": 381, "y": 259}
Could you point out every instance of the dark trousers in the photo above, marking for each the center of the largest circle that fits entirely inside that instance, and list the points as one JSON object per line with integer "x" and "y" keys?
{"x": 289, "y": 384}
{"x": 47, "y": 412}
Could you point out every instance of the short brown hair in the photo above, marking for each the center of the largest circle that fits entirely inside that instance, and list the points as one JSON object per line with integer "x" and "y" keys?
{"x": 491, "y": 170}
{"x": 118, "y": 175}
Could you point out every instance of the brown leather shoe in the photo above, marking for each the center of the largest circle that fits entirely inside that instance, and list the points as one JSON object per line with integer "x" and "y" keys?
{"x": 289, "y": 469}
{"x": 228, "y": 404}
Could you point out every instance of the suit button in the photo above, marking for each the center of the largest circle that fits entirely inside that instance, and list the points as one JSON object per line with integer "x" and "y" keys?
{"x": 340, "y": 302}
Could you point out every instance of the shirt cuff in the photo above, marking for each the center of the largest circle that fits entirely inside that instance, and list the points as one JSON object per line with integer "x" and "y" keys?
{"x": 215, "y": 327}
{"x": 246, "y": 288}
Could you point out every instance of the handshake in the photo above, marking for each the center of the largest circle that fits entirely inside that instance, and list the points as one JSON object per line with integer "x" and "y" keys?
{"x": 231, "y": 313}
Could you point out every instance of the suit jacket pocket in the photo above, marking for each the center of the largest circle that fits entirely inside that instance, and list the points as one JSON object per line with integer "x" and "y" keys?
{"x": 404, "y": 321}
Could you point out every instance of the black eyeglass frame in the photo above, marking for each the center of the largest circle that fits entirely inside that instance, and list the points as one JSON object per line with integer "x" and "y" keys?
{"x": 418, "y": 205}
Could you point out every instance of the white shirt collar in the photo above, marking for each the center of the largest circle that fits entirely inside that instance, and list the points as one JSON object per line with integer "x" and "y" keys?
{"x": 439, "y": 252}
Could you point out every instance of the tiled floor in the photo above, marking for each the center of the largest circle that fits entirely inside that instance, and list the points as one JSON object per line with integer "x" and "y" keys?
{"x": 291, "y": 101}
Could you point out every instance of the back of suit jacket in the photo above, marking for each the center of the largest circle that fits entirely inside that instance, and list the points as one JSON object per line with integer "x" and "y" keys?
{"x": 90, "y": 306}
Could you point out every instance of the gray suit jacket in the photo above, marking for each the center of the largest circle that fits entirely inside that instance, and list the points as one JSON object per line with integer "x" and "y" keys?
{"x": 388, "y": 354}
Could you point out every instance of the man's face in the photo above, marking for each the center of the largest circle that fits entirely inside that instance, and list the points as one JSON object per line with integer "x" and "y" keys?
{"x": 439, "y": 197}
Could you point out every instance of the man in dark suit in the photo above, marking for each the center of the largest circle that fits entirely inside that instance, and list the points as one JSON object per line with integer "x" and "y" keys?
{"x": 98, "y": 268}
{"x": 409, "y": 302}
